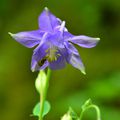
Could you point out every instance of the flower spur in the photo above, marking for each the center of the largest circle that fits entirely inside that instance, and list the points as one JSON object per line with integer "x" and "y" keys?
{"x": 54, "y": 44}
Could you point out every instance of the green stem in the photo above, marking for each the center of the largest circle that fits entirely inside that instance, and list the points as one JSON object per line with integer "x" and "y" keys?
{"x": 44, "y": 94}
{"x": 91, "y": 106}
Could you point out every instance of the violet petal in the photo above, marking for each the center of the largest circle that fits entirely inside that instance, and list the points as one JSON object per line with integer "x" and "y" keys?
{"x": 28, "y": 39}
{"x": 84, "y": 41}
{"x": 47, "y": 21}
{"x": 58, "y": 64}
{"x": 38, "y": 58}
{"x": 55, "y": 40}
{"x": 35, "y": 66}
{"x": 74, "y": 59}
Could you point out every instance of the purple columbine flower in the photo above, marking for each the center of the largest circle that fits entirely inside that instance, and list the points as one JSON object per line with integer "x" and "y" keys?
{"x": 54, "y": 44}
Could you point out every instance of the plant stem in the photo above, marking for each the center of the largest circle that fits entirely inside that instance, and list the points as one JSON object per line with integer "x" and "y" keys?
{"x": 91, "y": 106}
{"x": 81, "y": 115}
{"x": 44, "y": 94}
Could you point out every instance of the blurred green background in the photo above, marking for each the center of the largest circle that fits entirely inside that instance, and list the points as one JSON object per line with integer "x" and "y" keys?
{"x": 68, "y": 87}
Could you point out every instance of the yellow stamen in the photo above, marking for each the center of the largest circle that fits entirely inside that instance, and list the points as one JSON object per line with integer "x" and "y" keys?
{"x": 52, "y": 54}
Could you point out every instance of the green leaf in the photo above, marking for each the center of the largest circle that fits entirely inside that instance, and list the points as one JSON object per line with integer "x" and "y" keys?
{"x": 36, "y": 109}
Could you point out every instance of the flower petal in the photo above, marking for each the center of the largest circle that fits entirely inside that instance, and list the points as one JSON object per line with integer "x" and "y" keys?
{"x": 67, "y": 35}
{"x": 47, "y": 21}
{"x": 38, "y": 59}
{"x": 28, "y": 39}
{"x": 35, "y": 66}
{"x": 70, "y": 47}
{"x": 40, "y": 52}
{"x": 76, "y": 61}
{"x": 73, "y": 58}
{"x": 58, "y": 64}
{"x": 55, "y": 40}
{"x": 84, "y": 41}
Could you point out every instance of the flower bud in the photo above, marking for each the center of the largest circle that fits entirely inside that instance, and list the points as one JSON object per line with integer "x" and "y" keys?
{"x": 40, "y": 81}
{"x": 67, "y": 117}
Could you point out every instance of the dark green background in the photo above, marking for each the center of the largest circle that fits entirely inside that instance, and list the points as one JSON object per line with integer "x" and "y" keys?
{"x": 68, "y": 87}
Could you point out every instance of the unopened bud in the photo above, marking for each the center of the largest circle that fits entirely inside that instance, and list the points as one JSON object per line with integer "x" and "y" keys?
{"x": 66, "y": 117}
{"x": 40, "y": 81}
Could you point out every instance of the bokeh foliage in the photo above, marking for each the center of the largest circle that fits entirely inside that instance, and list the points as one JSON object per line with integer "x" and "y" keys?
{"x": 68, "y": 87}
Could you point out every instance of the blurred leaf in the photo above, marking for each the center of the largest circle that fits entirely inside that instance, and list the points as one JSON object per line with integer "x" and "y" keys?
{"x": 36, "y": 110}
